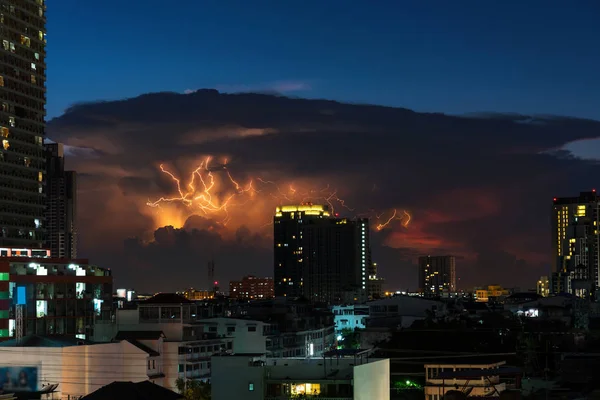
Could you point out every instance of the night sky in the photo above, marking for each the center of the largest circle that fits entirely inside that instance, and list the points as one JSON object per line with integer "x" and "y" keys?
{"x": 478, "y": 187}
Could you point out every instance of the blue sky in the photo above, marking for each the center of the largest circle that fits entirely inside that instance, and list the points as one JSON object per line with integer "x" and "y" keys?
{"x": 460, "y": 56}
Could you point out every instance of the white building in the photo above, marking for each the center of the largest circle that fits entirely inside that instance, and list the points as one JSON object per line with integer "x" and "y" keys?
{"x": 477, "y": 380}
{"x": 77, "y": 367}
{"x": 403, "y": 310}
{"x": 350, "y": 317}
{"x": 335, "y": 377}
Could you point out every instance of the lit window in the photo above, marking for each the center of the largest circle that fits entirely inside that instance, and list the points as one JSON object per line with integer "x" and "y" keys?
{"x": 25, "y": 41}
{"x": 12, "y": 47}
{"x": 33, "y": 79}
{"x": 5, "y": 144}
{"x": 40, "y": 176}
{"x": 11, "y": 121}
{"x": 1, "y": 81}
{"x": 33, "y": 66}
{"x": 37, "y": 56}
{"x": 41, "y": 35}
{"x": 251, "y": 387}
{"x": 5, "y": 44}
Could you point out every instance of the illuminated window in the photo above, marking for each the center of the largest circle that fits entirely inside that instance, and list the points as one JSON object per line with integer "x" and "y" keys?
{"x": 33, "y": 79}
{"x": 40, "y": 176}
{"x": 5, "y": 144}
{"x": 12, "y": 47}
{"x": 251, "y": 387}
{"x": 37, "y": 56}
{"x": 11, "y": 121}
{"x": 4, "y": 276}
{"x": 5, "y": 44}
{"x": 1, "y": 81}
{"x": 27, "y": 161}
{"x": 33, "y": 66}
{"x": 41, "y": 35}
{"x": 25, "y": 41}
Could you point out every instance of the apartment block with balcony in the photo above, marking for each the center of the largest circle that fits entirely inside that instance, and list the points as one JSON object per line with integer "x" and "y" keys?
{"x": 475, "y": 380}
{"x": 337, "y": 375}
{"x": 350, "y": 317}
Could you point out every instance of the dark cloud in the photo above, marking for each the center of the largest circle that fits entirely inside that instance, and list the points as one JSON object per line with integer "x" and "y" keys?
{"x": 479, "y": 186}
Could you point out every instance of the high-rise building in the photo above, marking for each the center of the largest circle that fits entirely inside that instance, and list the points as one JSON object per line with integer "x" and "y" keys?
{"x": 575, "y": 237}
{"x": 437, "y": 275}
{"x": 22, "y": 126}
{"x": 61, "y": 199}
{"x": 318, "y": 256}
{"x": 251, "y": 287}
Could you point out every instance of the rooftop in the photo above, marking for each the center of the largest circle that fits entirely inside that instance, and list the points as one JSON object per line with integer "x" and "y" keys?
{"x": 166, "y": 298}
{"x": 144, "y": 390}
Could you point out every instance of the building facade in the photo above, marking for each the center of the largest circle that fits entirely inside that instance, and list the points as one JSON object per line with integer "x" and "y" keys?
{"x": 334, "y": 376}
{"x": 251, "y": 287}
{"x": 22, "y": 126}
{"x": 318, "y": 256}
{"x": 61, "y": 204}
{"x": 543, "y": 286}
{"x": 491, "y": 293}
{"x": 45, "y": 296}
{"x": 437, "y": 275}
{"x": 576, "y": 259}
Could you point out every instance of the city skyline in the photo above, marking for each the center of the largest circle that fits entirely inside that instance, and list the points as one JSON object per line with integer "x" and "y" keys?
{"x": 478, "y": 165}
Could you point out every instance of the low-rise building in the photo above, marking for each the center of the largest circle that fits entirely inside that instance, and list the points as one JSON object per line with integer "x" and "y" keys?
{"x": 402, "y": 311}
{"x": 475, "y": 380}
{"x": 339, "y": 375}
{"x": 491, "y": 293}
{"x": 350, "y": 317}
{"x": 78, "y": 367}
{"x": 251, "y": 287}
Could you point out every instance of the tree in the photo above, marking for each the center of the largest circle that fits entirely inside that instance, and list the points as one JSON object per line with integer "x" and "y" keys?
{"x": 193, "y": 389}
{"x": 350, "y": 338}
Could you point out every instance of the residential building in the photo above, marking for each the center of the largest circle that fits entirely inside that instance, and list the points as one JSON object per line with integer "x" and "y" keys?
{"x": 61, "y": 203}
{"x": 46, "y": 296}
{"x": 491, "y": 293}
{"x": 251, "y": 287}
{"x": 75, "y": 367}
{"x": 339, "y": 375}
{"x": 350, "y": 317}
{"x": 403, "y": 311}
{"x": 437, "y": 275}
{"x": 193, "y": 294}
{"x": 167, "y": 324}
{"x": 300, "y": 329}
{"x": 543, "y": 286}
{"x": 374, "y": 284}
{"x": 319, "y": 256}
{"x": 22, "y": 126}
{"x": 575, "y": 243}
{"x": 475, "y": 380}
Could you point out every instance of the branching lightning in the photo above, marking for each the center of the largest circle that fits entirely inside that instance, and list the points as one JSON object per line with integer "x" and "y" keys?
{"x": 212, "y": 190}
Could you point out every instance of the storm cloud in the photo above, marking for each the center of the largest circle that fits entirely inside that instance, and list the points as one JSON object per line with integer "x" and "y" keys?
{"x": 477, "y": 186}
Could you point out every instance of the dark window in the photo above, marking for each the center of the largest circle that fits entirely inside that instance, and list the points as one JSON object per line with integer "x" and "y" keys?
{"x": 252, "y": 329}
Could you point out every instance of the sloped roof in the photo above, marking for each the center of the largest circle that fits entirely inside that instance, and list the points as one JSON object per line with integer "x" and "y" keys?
{"x": 143, "y": 347}
{"x": 145, "y": 390}
{"x": 167, "y": 298}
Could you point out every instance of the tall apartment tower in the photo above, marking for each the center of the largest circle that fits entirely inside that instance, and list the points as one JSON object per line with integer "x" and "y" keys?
{"x": 320, "y": 257}
{"x": 61, "y": 204}
{"x": 22, "y": 126}
{"x": 576, "y": 263}
{"x": 437, "y": 274}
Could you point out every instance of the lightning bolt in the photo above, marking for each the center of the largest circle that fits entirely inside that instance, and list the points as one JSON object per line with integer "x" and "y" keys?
{"x": 214, "y": 191}
{"x": 404, "y": 219}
